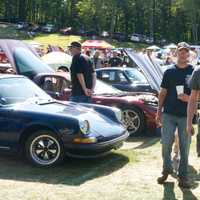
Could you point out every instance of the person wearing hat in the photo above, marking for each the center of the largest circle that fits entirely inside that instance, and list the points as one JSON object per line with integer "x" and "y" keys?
{"x": 172, "y": 114}
{"x": 83, "y": 76}
{"x": 115, "y": 61}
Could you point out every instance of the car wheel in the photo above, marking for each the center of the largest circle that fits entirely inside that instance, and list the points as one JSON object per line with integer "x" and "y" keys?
{"x": 43, "y": 148}
{"x": 133, "y": 120}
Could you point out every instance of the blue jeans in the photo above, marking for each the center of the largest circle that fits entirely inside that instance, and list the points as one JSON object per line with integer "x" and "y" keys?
{"x": 169, "y": 124}
{"x": 80, "y": 99}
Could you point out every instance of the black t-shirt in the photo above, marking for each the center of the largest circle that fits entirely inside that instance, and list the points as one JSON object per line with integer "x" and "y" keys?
{"x": 176, "y": 77}
{"x": 81, "y": 64}
{"x": 115, "y": 61}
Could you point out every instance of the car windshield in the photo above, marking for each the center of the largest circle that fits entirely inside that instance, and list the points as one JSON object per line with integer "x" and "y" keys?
{"x": 103, "y": 88}
{"x": 28, "y": 64}
{"x": 18, "y": 89}
{"x": 135, "y": 76}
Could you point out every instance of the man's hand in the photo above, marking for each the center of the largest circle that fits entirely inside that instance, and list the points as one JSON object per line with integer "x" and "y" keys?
{"x": 158, "y": 118}
{"x": 88, "y": 92}
{"x": 189, "y": 129}
{"x": 183, "y": 97}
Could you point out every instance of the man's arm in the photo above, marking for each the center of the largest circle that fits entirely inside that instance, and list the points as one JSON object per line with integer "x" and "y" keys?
{"x": 161, "y": 99}
{"x": 191, "y": 109}
{"x": 93, "y": 81}
{"x": 82, "y": 82}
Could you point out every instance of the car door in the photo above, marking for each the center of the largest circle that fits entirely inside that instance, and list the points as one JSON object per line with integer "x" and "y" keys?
{"x": 10, "y": 126}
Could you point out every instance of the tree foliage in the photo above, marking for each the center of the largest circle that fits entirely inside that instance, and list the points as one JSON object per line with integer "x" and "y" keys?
{"x": 173, "y": 20}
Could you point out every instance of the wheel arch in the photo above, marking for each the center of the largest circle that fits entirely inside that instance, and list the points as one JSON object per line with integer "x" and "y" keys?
{"x": 125, "y": 106}
{"x": 29, "y": 131}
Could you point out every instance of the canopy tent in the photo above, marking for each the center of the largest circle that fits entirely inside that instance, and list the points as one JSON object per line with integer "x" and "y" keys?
{"x": 56, "y": 59}
{"x": 97, "y": 44}
{"x": 170, "y": 46}
{"x": 153, "y": 47}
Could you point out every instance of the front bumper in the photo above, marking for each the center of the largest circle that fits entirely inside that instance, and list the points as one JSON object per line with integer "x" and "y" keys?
{"x": 95, "y": 150}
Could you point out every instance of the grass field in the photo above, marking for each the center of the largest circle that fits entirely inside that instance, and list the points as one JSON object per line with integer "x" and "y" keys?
{"x": 129, "y": 173}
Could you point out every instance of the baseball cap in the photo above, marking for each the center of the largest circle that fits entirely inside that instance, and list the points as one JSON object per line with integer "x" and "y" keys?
{"x": 75, "y": 44}
{"x": 183, "y": 45}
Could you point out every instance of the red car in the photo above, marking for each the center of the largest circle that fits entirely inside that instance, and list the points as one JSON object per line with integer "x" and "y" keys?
{"x": 139, "y": 109}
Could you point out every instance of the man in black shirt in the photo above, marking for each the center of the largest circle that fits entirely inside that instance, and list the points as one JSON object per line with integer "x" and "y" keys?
{"x": 173, "y": 98}
{"x": 115, "y": 61}
{"x": 83, "y": 76}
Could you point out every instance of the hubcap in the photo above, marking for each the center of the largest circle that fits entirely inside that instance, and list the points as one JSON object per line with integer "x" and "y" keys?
{"x": 45, "y": 150}
{"x": 131, "y": 120}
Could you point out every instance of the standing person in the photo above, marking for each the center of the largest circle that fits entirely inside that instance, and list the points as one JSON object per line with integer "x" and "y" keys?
{"x": 192, "y": 104}
{"x": 97, "y": 61}
{"x": 83, "y": 76}
{"x": 115, "y": 61}
{"x": 173, "y": 98}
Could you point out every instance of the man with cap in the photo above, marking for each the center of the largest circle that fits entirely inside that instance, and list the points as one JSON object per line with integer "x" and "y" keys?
{"x": 115, "y": 61}
{"x": 83, "y": 76}
{"x": 172, "y": 114}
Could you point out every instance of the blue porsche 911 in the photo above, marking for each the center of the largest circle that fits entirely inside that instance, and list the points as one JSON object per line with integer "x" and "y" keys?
{"x": 46, "y": 130}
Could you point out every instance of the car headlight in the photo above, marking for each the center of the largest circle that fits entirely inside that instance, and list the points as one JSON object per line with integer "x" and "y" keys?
{"x": 84, "y": 126}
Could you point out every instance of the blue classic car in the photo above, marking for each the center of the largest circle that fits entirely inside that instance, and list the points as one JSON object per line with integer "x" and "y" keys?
{"x": 125, "y": 79}
{"x": 46, "y": 130}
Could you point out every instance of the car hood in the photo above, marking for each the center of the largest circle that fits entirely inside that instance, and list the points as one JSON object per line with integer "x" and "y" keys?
{"x": 150, "y": 69}
{"x": 98, "y": 122}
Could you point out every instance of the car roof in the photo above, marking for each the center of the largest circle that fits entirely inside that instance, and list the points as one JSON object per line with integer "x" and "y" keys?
{"x": 115, "y": 68}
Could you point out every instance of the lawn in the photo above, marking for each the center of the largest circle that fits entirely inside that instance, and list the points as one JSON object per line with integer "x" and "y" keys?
{"x": 129, "y": 173}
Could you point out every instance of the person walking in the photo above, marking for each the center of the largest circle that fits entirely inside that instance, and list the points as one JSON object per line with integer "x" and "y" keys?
{"x": 172, "y": 112}
{"x": 83, "y": 76}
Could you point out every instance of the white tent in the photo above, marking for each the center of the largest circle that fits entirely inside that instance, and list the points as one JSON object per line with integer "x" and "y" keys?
{"x": 153, "y": 47}
{"x": 171, "y": 46}
{"x": 56, "y": 59}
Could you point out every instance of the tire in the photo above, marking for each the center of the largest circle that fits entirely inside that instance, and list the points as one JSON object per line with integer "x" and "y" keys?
{"x": 44, "y": 149}
{"x": 133, "y": 119}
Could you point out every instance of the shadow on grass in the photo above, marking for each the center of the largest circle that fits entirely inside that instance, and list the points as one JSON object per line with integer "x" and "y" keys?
{"x": 71, "y": 172}
{"x": 144, "y": 141}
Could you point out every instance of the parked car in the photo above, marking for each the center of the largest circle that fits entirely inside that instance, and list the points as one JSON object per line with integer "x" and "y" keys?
{"x": 45, "y": 130}
{"x": 138, "y": 109}
{"x": 119, "y": 36}
{"x": 135, "y": 37}
{"x": 67, "y": 31}
{"x": 125, "y": 79}
{"x": 48, "y": 28}
{"x": 105, "y": 34}
{"x": 22, "y": 25}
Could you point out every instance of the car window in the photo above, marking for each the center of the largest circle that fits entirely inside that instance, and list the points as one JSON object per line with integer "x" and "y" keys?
{"x": 135, "y": 76}
{"x": 121, "y": 78}
{"x": 15, "y": 90}
{"x": 54, "y": 84}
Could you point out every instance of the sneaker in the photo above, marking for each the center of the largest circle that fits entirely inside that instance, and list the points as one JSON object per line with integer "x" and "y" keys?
{"x": 183, "y": 182}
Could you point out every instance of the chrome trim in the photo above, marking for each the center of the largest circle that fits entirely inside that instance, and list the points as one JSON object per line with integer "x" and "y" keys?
{"x": 5, "y": 147}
